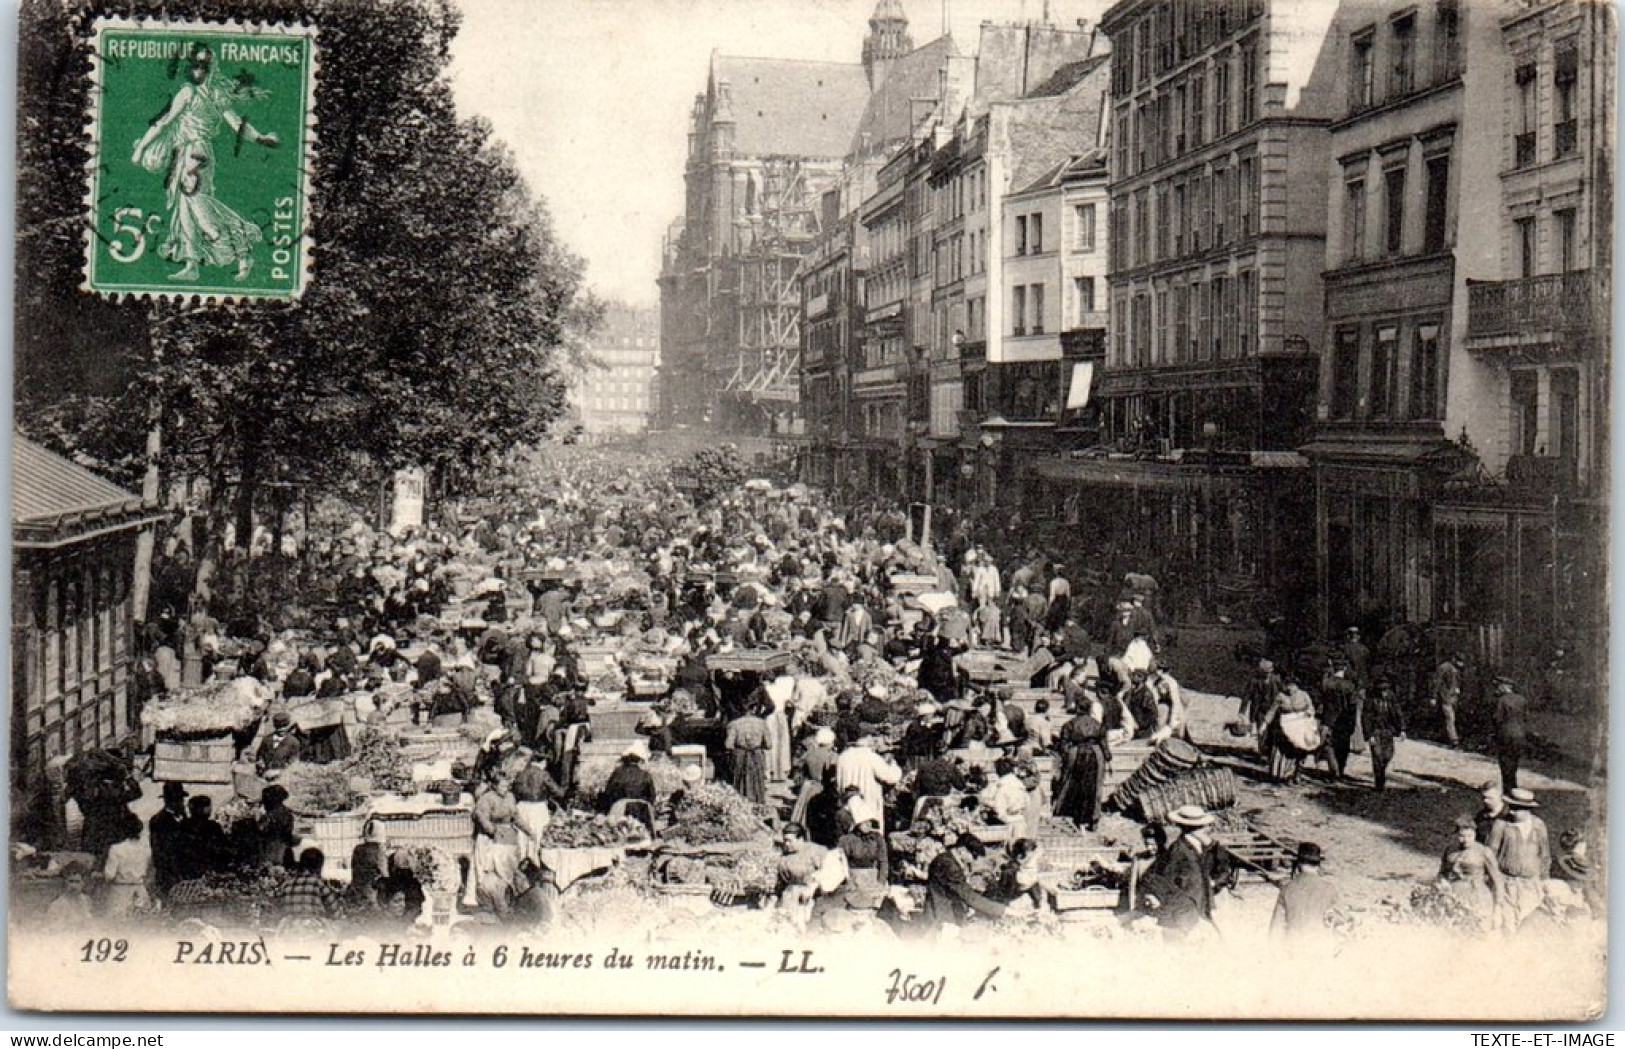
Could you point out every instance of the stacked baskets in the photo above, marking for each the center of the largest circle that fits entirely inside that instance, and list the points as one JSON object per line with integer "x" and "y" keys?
{"x": 1172, "y": 776}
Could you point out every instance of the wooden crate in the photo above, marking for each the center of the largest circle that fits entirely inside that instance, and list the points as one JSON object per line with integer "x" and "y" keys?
{"x": 1126, "y": 761}
{"x": 1092, "y": 898}
{"x": 204, "y": 761}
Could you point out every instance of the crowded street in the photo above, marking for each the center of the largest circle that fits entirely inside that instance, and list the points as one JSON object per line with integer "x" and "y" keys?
{"x": 617, "y": 685}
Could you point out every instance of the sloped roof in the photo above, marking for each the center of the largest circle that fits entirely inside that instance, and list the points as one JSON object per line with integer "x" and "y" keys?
{"x": 54, "y": 500}
{"x": 889, "y": 115}
{"x": 1046, "y": 131}
{"x": 786, "y": 107}
{"x": 1090, "y": 160}
{"x": 1067, "y": 77}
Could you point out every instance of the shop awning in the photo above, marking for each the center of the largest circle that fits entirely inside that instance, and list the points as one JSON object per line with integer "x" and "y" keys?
{"x": 1160, "y": 475}
{"x": 55, "y": 502}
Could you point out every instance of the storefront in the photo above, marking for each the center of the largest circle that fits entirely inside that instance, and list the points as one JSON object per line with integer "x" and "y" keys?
{"x": 74, "y": 540}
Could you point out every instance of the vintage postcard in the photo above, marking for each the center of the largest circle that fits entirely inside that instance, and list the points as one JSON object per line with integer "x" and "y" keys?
{"x": 813, "y": 508}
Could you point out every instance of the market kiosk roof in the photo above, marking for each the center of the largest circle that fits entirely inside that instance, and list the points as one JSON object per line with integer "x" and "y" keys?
{"x": 55, "y": 502}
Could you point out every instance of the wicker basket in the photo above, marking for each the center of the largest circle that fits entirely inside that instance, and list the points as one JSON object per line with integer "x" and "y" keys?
{"x": 451, "y": 831}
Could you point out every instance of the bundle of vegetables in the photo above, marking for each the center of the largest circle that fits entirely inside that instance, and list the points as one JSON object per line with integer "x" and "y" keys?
{"x": 435, "y": 869}
{"x": 936, "y": 828}
{"x": 573, "y": 829}
{"x": 752, "y": 871}
{"x": 248, "y": 893}
{"x": 378, "y": 757}
{"x": 1433, "y": 904}
{"x": 711, "y": 813}
{"x": 319, "y": 790}
{"x": 236, "y": 811}
{"x": 212, "y": 709}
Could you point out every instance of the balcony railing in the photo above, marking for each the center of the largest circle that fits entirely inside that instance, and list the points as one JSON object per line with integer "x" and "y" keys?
{"x": 1542, "y": 474}
{"x": 1534, "y": 304}
{"x": 1523, "y": 148}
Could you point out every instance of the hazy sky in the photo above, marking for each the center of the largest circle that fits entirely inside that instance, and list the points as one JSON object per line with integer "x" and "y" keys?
{"x": 593, "y": 96}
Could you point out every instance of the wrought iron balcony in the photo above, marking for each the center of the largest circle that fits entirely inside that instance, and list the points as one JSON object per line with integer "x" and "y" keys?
{"x": 1532, "y": 309}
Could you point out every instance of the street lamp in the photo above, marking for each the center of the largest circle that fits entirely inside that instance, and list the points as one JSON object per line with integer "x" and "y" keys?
{"x": 1210, "y": 435}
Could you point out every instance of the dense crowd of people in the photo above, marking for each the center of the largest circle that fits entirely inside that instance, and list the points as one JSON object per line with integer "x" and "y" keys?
{"x": 877, "y": 708}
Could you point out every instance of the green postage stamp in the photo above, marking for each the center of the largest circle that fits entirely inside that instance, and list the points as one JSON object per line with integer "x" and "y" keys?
{"x": 202, "y": 138}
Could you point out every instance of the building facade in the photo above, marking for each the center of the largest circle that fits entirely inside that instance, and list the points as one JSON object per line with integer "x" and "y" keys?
{"x": 767, "y": 138}
{"x": 619, "y": 393}
{"x": 1216, "y": 233}
{"x": 1461, "y": 433}
{"x": 1520, "y": 544}
{"x": 1381, "y": 449}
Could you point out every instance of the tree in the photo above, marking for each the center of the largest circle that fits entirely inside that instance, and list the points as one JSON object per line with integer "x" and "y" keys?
{"x": 437, "y": 328}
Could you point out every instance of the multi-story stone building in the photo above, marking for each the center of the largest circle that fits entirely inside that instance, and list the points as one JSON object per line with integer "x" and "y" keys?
{"x": 1462, "y": 420}
{"x": 1520, "y": 548}
{"x": 618, "y": 393}
{"x": 1216, "y": 232}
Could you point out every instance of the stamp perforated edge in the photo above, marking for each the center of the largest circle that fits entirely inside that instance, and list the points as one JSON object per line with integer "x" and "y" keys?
{"x": 104, "y": 23}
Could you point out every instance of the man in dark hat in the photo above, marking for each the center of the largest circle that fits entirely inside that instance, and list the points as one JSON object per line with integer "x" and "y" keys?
{"x": 164, "y": 835}
{"x": 1383, "y": 722}
{"x": 1339, "y": 713}
{"x": 1306, "y": 899}
{"x": 1511, "y": 730}
{"x": 282, "y": 747}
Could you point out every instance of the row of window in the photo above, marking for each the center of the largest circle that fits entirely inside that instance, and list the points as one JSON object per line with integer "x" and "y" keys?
{"x": 1187, "y": 321}
{"x": 1204, "y": 104}
{"x": 1397, "y": 47}
{"x": 961, "y": 194}
{"x": 1387, "y": 371}
{"x": 1027, "y": 310}
{"x": 1209, "y": 207}
{"x": 1385, "y": 178}
{"x": 1172, "y": 33}
{"x": 618, "y": 404}
{"x": 1564, "y": 135}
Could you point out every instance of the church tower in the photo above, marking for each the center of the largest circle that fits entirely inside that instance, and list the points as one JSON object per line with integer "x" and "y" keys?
{"x": 888, "y": 40}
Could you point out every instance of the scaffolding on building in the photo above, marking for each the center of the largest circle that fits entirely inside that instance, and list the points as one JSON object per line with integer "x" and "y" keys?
{"x": 775, "y": 238}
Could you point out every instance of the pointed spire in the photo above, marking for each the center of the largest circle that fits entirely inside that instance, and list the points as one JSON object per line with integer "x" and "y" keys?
{"x": 888, "y": 40}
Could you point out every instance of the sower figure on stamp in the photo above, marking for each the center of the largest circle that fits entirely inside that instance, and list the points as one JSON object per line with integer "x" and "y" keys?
{"x": 180, "y": 144}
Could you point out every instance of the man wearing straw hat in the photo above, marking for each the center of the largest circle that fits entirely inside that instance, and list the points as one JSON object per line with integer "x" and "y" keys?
{"x": 1523, "y": 850}
{"x": 1184, "y": 883}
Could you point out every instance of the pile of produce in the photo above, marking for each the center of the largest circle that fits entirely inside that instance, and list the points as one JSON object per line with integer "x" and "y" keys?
{"x": 435, "y": 869}
{"x": 378, "y": 758}
{"x": 711, "y": 813}
{"x": 753, "y": 871}
{"x": 319, "y": 790}
{"x": 236, "y": 811}
{"x": 573, "y": 829}
{"x": 936, "y": 828}
{"x": 212, "y": 709}
{"x": 245, "y": 894}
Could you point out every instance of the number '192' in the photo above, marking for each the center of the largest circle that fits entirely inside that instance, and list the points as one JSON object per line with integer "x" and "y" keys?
{"x": 104, "y": 950}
